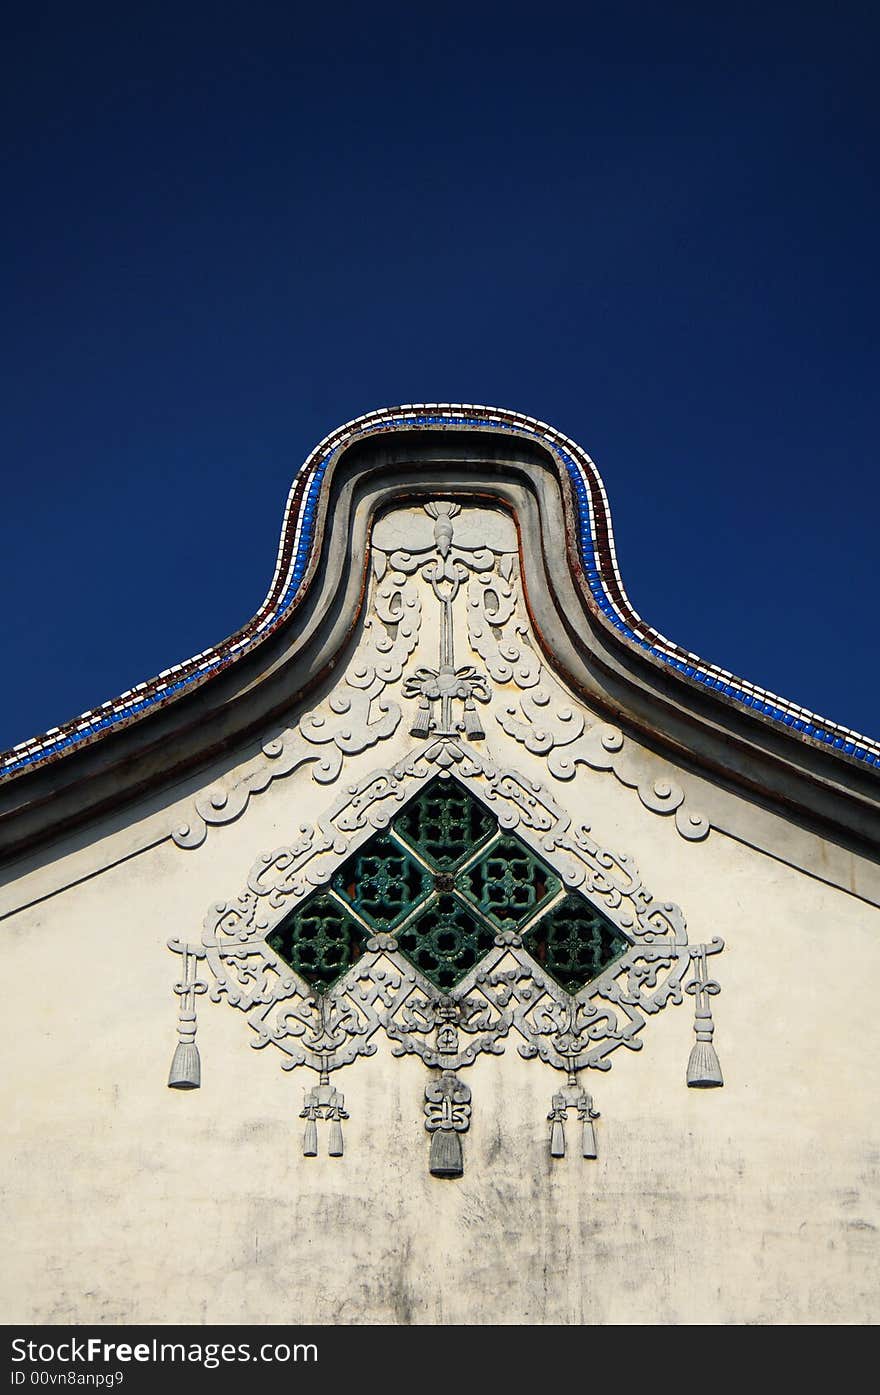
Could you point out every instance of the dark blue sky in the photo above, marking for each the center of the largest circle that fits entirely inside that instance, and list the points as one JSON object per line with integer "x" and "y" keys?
{"x": 228, "y": 230}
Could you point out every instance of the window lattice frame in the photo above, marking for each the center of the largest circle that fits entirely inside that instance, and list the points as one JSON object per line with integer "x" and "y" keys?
{"x": 506, "y": 995}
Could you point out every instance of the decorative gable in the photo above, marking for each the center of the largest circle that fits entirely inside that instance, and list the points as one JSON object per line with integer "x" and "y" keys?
{"x": 449, "y": 900}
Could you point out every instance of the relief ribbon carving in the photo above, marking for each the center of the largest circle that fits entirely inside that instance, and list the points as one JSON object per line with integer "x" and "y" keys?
{"x": 543, "y": 720}
{"x": 357, "y": 716}
{"x": 445, "y": 572}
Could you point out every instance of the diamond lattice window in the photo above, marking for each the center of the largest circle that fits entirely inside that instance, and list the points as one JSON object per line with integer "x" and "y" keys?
{"x": 445, "y": 879}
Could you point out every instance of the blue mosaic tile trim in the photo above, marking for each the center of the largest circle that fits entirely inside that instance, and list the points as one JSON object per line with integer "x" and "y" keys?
{"x": 801, "y": 721}
{"x": 304, "y": 547}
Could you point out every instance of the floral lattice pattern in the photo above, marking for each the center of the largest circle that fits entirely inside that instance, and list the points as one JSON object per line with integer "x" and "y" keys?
{"x": 444, "y": 881}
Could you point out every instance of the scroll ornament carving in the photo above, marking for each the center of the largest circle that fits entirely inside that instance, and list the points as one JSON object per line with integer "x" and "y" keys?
{"x": 362, "y": 712}
{"x": 359, "y": 715}
{"x": 446, "y": 566}
{"x": 506, "y": 996}
{"x": 542, "y": 720}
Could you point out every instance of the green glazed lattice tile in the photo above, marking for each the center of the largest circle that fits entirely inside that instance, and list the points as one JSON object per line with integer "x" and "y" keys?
{"x": 574, "y": 942}
{"x": 444, "y": 918}
{"x": 445, "y": 941}
{"x": 382, "y": 882}
{"x": 319, "y": 940}
{"x": 509, "y": 883}
{"x": 445, "y": 823}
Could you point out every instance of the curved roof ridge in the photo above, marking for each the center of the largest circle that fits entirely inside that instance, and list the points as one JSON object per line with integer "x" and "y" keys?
{"x": 598, "y": 562}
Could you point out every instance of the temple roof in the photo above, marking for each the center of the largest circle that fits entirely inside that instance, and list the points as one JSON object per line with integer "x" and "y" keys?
{"x": 596, "y": 560}
{"x": 726, "y": 728}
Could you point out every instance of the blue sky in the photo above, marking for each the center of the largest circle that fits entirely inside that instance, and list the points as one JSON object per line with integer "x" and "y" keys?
{"x": 231, "y": 228}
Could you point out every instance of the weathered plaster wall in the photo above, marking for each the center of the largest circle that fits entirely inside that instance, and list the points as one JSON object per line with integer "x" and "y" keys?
{"x": 755, "y": 1203}
{"x": 128, "y": 1202}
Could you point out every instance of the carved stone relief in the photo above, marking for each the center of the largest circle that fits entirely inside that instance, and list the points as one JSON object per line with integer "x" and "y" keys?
{"x": 358, "y": 715}
{"x": 506, "y": 994}
{"x": 542, "y": 718}
{"x": 443, "y": 558}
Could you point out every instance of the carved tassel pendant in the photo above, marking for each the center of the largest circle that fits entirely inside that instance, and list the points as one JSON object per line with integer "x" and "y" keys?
{"x": 447, "y": 1115}
{"x": 446, "y": 1154}
{"x": 323, "y": 1101}
{"x": 334, "y": 1147}
{"x": 586, "y": 1114}
{"x": 472, "y": 725}
{"x": 588, "y": 1146}
{"x": 704, "y": 1069}
{"x": 558, "y": 1108}
{"x": 557, "y": 1138}
{"x": 186, "y": 1067}
{"x": 310, "y": 1139}
{"x": 422, "y": 724}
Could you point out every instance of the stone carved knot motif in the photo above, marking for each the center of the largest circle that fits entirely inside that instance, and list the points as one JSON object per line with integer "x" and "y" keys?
{"x": 447, "y": 684}
{"x": 571, "y": 1096}
{"x": 447, "y": 1100}
{"x": 447, "y": 1114}
{"x": 323, "y": 1101}
{"x": 508, "y": 973}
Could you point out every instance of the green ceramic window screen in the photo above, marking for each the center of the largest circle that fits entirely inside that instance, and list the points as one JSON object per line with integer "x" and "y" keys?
{"x": 444, "y": 879}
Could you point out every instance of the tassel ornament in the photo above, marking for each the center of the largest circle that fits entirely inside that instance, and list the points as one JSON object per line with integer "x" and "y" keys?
{"x": 588, "y": 1142}
{"x": 186, "y": 1065}
{"x": 446, "y": 1158}
{"x": 472, "y": 725}
{"x": 334, "y": 1146}
{"x": 422, "y": 724}
{"x": 323, "y": 1101}
{"x": 447, "y": 1116}
{"x": 704, "y": 1068}
{"x": 571, "y": 1096}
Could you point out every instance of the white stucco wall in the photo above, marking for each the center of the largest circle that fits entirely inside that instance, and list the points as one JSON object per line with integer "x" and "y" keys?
{"x": 129, "y": 1202}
